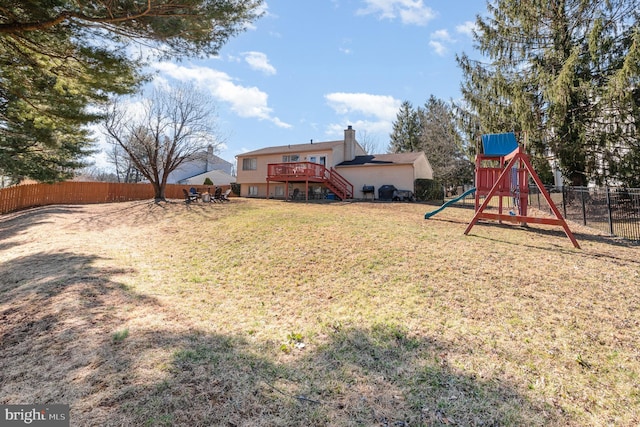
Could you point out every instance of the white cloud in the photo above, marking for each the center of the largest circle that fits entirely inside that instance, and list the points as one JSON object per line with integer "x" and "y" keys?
{"x": 438, "y": 47}
{"x": 371, "y": 127}
{"x": 439, "y": 41}
{"x": 380, "y": 106}
{"x": 411, "y": 12}
{"x": 379, "y": 112}
{"x": 441, "y": 35}
{"x": 344, "y": 48}
{"x": 259, "y": 61}
{"x": 245, "y": 101}
{"x": 466, "y": 28}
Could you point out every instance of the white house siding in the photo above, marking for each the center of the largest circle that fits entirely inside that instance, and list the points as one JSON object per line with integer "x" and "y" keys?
{"x": 422, "y": 168}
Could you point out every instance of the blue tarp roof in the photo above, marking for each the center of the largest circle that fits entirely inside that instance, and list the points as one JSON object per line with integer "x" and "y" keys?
{"x": 499, "y": 144}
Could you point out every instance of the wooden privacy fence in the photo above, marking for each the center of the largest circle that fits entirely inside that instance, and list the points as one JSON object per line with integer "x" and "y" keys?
{"x": 71, "y": 192}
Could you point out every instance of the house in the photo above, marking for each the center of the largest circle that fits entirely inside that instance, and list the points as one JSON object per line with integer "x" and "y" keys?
{"x": 201, "y": 166}
{"x": 332, "y": 169}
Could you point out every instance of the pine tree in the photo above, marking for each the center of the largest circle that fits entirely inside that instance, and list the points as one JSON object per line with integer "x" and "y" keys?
{"x": 443, "y": 144}
{"x": 406, "y": 130}
{"x": 564, "y": 71}
{"x": 59, "y": 59}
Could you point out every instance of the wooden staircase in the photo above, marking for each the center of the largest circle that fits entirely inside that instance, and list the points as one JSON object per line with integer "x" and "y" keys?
{"x": 310, "y": 172}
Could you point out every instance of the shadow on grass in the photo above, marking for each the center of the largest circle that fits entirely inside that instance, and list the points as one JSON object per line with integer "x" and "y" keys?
{"x": 64, "y": 339}
{"x": 556, "y": 232}
{"x": 15, "y": 223}
{"x": 569, "y": 250}
{"x": 56, "y": 309}
{"x": 366, "y": 377}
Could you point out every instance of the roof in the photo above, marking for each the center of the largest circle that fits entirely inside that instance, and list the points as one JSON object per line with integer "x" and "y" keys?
{"x": 295, "y": 148}
{"x": 384, "y": 159}
{"x": 218, "y": 177}
{"x": 499, "y": 144}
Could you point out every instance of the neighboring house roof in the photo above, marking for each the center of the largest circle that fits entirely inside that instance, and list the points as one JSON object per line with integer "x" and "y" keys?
{"x": 218, "y": 177}
{"x": 295, "y": 148}
{"x": 384, "y": 159}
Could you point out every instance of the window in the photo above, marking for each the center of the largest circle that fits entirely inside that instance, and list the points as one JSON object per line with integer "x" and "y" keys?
{"x": 249, "y": 164}
{"x": 321, "y": 160}
{"x": 279, "y": 191}
{"x": 253, "y": 190}
{"x": 291, "y": 158}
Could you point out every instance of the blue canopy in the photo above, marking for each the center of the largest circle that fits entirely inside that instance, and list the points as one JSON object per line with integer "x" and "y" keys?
{"x": 499, "y": 144}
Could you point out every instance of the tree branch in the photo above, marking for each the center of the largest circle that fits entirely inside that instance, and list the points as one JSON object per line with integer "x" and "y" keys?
{"x": 149, "y": 11}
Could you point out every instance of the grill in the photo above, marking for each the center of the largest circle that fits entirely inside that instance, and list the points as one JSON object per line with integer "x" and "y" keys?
{"x": 368, "y": 190}
{"x": 386, "y": 192}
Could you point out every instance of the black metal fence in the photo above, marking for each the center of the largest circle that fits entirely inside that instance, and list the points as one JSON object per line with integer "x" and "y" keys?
{"x": 613, "y": 210}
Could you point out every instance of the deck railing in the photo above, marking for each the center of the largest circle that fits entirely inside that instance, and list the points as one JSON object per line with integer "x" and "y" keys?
{"x": 303, "y": 171}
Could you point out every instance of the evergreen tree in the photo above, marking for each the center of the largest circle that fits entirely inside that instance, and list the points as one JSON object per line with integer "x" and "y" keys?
{"x": 61, "y": 58}
{"x": 443, "y": 144}
{"x": 564, "y": 71}
{"x": 406, "y": 130}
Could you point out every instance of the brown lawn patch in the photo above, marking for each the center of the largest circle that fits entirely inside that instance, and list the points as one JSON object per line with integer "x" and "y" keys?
{"x": 270, "y": 313}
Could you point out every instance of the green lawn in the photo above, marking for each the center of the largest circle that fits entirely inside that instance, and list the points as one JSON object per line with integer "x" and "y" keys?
{"x": 262, "y": 312}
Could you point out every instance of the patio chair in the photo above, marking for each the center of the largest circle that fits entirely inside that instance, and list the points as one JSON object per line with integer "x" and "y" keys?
{"x": 217, "y": 195}
{"x": 194, "y": 192}
{"x": 225, "y": 196}
{"x": 189, "y": 197}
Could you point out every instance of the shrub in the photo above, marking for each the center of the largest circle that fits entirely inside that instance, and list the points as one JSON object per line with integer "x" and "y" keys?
{"x": 207, "y": 181}
{"x": 429, "y": 190}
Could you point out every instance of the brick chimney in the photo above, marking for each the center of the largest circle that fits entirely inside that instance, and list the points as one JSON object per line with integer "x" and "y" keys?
{"x": 349, "y": 144}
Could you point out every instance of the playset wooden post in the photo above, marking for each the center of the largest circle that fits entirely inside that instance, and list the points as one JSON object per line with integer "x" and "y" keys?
{"x": 503, "y": 170}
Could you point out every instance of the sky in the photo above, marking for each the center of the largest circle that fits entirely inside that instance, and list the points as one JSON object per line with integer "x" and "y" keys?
{"x": 308, "y": 69}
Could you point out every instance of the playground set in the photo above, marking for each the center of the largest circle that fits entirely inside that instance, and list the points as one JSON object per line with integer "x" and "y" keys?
{"x": 503, "y": 169}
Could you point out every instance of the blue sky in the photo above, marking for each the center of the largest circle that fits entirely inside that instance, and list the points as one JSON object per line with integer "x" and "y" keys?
{"x": 307, "y": 69}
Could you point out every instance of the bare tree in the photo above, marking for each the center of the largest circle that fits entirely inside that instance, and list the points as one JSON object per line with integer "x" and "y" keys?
{"x": 125, "y": 170}
{"x": 174, "y": 125}
{"x": 368, "y": 143}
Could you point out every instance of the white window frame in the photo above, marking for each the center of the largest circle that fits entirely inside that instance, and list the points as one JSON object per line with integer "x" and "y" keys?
{"x": 249, "y": 164}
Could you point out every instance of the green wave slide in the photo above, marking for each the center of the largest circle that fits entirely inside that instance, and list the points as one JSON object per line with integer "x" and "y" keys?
{"x": 450, "y": 202}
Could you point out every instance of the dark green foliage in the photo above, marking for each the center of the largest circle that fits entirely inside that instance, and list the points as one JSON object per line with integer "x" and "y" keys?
{"x": 429, "y": 190}
{"x": 567, "y": 73}
{"x": 405, "y": 137}
{"x": 433, "y": 130}
{"x": 207, "y": 181}
{"x": 543, "y": 169}
{"x": 235, "y": 188}
{"x": 442, "y": 143}
{"x": 44, "y": 100}
{"x": 60, "y": 59}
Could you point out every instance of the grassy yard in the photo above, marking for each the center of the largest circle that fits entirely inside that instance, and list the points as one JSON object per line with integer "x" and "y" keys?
{"x": 269, "y": 313}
